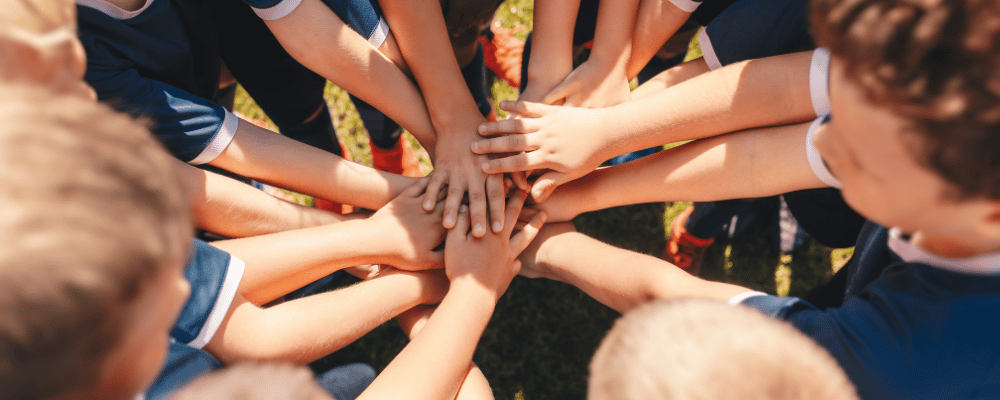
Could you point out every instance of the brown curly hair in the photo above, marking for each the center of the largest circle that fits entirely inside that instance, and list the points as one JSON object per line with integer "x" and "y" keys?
{"x": 936, "y": 63}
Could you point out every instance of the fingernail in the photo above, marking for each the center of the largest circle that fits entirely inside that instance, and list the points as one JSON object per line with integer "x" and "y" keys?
{"x": 462, "y": 209}
{"x": 428, "y": 205}
{"x": 496, "y": 226}
{"x": 449, "y": 220}
{"x": 479, "y": 230}
{"x": 486, "y": 166}
{"x": 475, "y": 145}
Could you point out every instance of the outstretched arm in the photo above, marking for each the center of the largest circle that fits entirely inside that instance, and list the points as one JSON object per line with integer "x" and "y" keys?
{"x": 657, "y": 21}
{"x": 756, "y": 163}
{"x": 317, "y": 38}
{"x": 573, "y": 141}
{"x": 400, "y": 234}
{"x": 618, "y": 278}
{"x": 423, "y": 40}
{"x": 551, "y": 47}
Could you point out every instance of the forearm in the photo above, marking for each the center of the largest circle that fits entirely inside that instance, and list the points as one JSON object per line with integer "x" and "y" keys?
{"x": 748, "y": 164}
{"x": 279, "y": 263}
{"x": 736, "y": 97}
{"x": 274, "y": 159}
{"x": 234, "y": 209}
{"x": 622, "y": 279}
{"x": 613, "y": 34}
{"x": 656, "y": 22}
{"x": 303, "y": 330}
{"x": 435, "y": 363}
{"x": 423, "y": 40}
{"x": 317, "y": 38}
{"x": 552, "y": 41}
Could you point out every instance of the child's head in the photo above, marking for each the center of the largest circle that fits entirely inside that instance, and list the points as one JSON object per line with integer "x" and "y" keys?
{"x": 249, "y": 381}
{"x": 38, "y": 45}
{"x": 698, "y": 349}
{"x": 914, "y": 135}
{"x": 95, "y": 232}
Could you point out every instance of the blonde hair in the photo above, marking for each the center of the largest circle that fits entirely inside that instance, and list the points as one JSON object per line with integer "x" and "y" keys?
{"x": 92, "y": 213}
{"x": 698, "y": 349}
{"x": 250, "y": 381}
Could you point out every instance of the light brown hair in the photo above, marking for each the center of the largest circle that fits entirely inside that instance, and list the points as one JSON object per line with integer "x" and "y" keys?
{"x": 935, "y": 63}
{"x": 92, "y": 212}
{"x": 699, "y": 349}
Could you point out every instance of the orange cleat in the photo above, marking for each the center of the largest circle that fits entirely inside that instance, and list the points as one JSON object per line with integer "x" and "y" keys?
{"x": 400, "y": 160}
{"x": 684, "y": 249}
{"x": 502, "y": 53}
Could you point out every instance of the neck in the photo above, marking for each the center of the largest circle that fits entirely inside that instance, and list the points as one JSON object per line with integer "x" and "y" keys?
{"x": 954, "y": 247}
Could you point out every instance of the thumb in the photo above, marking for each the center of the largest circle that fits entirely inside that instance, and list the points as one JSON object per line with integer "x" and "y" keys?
{"x": 546, "y": 184}
{"x": 558, "y": 94}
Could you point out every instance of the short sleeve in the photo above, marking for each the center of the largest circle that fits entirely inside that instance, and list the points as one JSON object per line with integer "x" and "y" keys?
{"x": 214, "y": 276}
{"x": 748, "y": 30}
{"x": 183, "y": 365}
{"x": 686, "y": 5}
{"x": 272, "y": 9}
{"x": 815, "y": 159}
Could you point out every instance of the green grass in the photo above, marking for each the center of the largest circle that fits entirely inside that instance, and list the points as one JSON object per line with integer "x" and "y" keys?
{"x": 543, "y": 333}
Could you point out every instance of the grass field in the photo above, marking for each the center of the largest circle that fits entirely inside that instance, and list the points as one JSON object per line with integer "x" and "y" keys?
{"x": 543, "y": 333}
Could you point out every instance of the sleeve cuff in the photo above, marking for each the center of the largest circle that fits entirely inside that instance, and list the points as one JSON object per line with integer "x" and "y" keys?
{"x": 815, "y": 160}
{"x": 278, "y": 10}
{"x": 380, "y": 34}
{"x": 707, "y": 51}
{"x": 234, "y": 274}
{"x": 220, "y": 141}
{"x": 686, "y": 5}
{"x": 738, "y": 299}
{"x": 819, "y": 77}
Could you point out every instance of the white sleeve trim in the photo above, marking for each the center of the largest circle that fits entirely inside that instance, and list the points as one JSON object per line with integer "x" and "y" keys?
{"x": 819, "y": 78}
{"x": 738, "y": 299}
{"x": 707, "y": 52}
{"x": 686, "y": 5}
{"x": 234, "y": 274}
{"x": 815, "y": 159}
{"x": 278, "y": 10}
{"x": 112, "y": 10}
{"x": 381, "y": 33}
{"x": 220, "y": 141}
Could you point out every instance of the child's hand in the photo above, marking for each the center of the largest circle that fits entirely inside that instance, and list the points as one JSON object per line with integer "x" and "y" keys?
{"x": 411, "y": 234}
{"x": 565, "y": 140}
{"x": 591, "y": 86}
{"x": 461, "y": 171}
{"x": 491, "y": 261}
{"x": 532, "y": 264}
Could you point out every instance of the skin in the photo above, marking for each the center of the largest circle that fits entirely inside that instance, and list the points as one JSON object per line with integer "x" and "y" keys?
{"x": 864, "y": 148}
{"x": 569, "y": 143}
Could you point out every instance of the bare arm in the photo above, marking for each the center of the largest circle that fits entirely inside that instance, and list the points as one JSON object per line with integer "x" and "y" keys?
{"x": 423, "y": 40}
{"x": 657, "y": 21}
{"x": 317, "y": 38}
{"x": 756, "y": 163}
{"x": 400, "y": 234}
{"x": 230, "y": 208}
{"x": 552, "y": 47}
{"x": 274, "y": 159}
{"x": 303, "y": 330}
{"x": 618, "y": 278}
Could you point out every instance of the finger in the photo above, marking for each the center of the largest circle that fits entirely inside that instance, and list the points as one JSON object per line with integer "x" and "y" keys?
{"x": 546, "y": 184}
{"x": 505, "y": 144}
{"x": 521, "y": 180}
{"x": 437, "y": 180}
{"x": 507, "y": 184}
{"x": 456, "y": 191}
{"x": 495, "y": 195}
{"x": 525, "y": 109}
{"x": 513, "y": 210}
{"x": 522, "y": 239}
{"x": 477, "y": 208}
{"x": 558, "y": 94}
{"x": 461, "y": 225}
{"x": 514, "y": 163}
{"x": 418, "y": 188}
{"x": 527, "y": 214}
{"x": 508, "y": 126}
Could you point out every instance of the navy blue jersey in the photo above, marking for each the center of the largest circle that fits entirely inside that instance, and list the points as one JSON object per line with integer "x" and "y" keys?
{"x": 214, "y": 276}
{"x": 161, "y": 62}
{"x": 750, "y": 29}
{"x": 911, "y": 325}
{"x": 183, "y": 365}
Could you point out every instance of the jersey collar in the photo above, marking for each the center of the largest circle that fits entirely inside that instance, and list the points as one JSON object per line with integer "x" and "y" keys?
{"x": 987, "y": 264}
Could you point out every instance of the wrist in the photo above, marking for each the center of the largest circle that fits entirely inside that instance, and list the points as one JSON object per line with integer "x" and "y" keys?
{"x": 475, "y": 292}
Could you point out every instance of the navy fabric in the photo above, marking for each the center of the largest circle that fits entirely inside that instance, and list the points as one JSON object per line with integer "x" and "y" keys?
{"x": 346, "y": 382}
{"x": 206, "y": 272}
{"x": 184, "y": 364}
{"x": 161, "y": 64}
{"x": 751, "y": 29}
{"x": 905, "y": 330}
